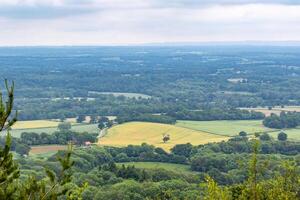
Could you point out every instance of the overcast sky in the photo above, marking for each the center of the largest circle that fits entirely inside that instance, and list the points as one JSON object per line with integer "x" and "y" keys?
{"x": 102, "y": 22}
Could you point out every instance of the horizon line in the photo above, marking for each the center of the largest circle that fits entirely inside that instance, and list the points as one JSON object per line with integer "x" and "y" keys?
{"x": 175, "y": 43}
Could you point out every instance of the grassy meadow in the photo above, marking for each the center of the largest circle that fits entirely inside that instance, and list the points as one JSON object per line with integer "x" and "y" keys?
{"x": 152, "y": 133}
{"x": 47, "y": 126}
{"x": 224, "y": 127}
{"x": 293, "y": 134}
{"x": 158, "y": 165}
{"x": 34, "y": 124}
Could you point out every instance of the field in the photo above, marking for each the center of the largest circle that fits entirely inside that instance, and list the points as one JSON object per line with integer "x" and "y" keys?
{"x": 227, "y": 128}
{"x": 128, "y": 95}
{"x": 276, "y": 110}
{"x": 45, "y": 151}
{"x": 34, "y": 124}
{"x": 46, "y": 129}
{"x": 158, "y": 165}
{"x": 293, "y": 134}
{"x": 139, "y": 132}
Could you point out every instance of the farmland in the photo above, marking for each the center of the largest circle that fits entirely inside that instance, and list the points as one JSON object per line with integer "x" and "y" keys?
{"x": 293, "y": 134}
{"x": 144, "y": 132}
{"x": 47, "y": 126}
{"x": 225, "y": 127}
{"x": 34, "y": 124}
{"x": 46, "y": 149}
{"x": 276, "y": 110}
{"x": 158, "y": 165}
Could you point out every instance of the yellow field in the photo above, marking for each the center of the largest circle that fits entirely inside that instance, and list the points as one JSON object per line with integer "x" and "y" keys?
{"x": 152, "y": 133}
{"x": 34, "y": 124}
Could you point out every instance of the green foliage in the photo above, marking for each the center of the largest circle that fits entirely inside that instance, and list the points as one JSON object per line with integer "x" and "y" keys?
{"x": 64, "y": 126}
{"x": 282, "y": 136}
{"x": 265, "y": 137}
{"x": 285, "y": 120}
{"x": 11, "y": 186}
{"x": 58, "y": 137}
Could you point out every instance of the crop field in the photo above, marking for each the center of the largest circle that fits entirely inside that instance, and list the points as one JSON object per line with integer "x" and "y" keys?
{"x": 152, "y": 133}
{"x": 34, "y": 124}
{"x": 158, "y": 165}
{"x": 46, "y": 149}
{"x": 276, "y": 110}
{"x": 226, "y": 128}
{"x": 76, "y": 127}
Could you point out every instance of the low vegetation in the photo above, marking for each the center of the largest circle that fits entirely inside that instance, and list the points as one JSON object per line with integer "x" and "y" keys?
{"x": 139, "y": 132}
{"x": 227, "y": 128}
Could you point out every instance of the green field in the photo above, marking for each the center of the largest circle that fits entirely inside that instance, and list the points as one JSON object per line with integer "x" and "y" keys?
{"x": 224, "y": 127}
{"x": 293, "y": 134}
{"x": 78, "y": 127}
{"x": 157, "y": 165}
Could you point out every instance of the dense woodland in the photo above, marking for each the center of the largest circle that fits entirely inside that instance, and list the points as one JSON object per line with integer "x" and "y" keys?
{"x": 284, "y": 120}
{"x": 65, "y": 82}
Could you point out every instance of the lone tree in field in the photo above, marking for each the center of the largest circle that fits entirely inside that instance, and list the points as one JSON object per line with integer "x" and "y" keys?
{"x": 242, "y": 134}
{"x": 282, "y": 136}
{"x": 166, "y": 138}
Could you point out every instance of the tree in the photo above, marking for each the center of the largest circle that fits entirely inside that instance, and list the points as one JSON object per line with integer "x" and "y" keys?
{"x": 64, "y": 126}
{"x": 11, "y": 187}
{"x": 242, "y": 134}
{"x": 166, "y": 138}
{"x": 265, "y": 137}
{"x": 8, "y": 167}
{"x": 80, "y": 118}
{"x": 93, "y": 119}
{"x": 182, "y": 149}
{"x": 22, "y": 149}
{"x": 256, "y": 134}
{"x": 282, "y": 136}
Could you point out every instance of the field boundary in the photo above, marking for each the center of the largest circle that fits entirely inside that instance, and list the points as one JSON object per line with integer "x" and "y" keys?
{"x": 205, "y": 131}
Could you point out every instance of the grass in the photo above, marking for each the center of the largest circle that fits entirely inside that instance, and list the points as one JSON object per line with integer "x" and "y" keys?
{"x": 45, "y": 151}
{"x": 92, "y": 128}
{"x": 34, "y": 124}
{"x": 293, "y": 134}
{"x": 224, "y": 127}
{"x": 157, "y": 165}
{"x": 137, "y": 133}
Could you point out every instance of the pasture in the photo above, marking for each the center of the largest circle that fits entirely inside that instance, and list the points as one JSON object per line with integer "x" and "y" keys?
{"x": 225, "y": 127}
{"x": 157, "y": 165}
{"x": 42, "y": 149}
{"x": 137, "y": 133}
{"x": 293, "y": 134}
{"x": 46, "y": 129}
{"x": 34, "y": 124}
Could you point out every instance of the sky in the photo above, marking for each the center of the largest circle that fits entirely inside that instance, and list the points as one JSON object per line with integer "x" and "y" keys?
{"x": 130, "y": 22}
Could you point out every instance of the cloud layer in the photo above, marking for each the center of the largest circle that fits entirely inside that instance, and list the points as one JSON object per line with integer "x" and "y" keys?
{"x": 96, "y": 22}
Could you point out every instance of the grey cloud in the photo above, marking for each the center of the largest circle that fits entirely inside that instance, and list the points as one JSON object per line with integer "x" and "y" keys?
{"x": 80, "y": 7}
{"x": 43, "y": 11}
